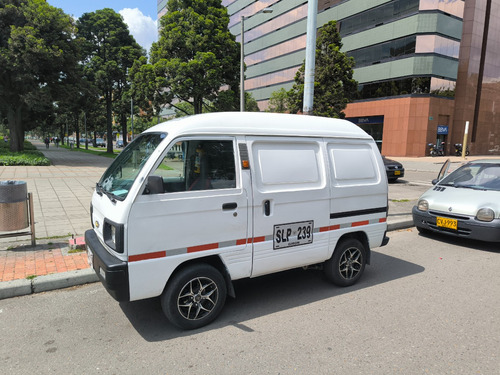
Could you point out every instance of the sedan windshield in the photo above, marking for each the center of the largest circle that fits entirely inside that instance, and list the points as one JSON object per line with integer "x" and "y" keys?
{"x": 121, "y": 174}
{"x": 480, "y": 176}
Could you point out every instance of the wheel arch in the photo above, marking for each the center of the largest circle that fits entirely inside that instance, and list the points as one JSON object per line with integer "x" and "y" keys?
{"x": 214, "y": 261}
{"x": 361, "y": 237}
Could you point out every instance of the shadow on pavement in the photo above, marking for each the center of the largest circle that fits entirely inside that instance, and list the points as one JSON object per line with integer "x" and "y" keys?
{"x": 492, "y": 247}
{"x": 266, "y": 295}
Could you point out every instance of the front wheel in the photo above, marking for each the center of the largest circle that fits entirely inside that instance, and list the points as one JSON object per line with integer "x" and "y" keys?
{"x": 347, "y": 264}
{"x": 194, "y": 297}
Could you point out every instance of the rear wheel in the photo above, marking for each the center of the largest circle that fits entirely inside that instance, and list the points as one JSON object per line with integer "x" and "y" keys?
{"x": 347, "y": 264}
{"x": 194, "y": 297}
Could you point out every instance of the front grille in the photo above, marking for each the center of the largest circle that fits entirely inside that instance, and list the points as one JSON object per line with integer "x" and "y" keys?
{"x": 449, "y": 215}
{"x": 459, "y": 231}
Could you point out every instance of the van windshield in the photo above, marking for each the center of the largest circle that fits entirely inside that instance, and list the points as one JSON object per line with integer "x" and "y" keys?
{"x": 121, "y": 174}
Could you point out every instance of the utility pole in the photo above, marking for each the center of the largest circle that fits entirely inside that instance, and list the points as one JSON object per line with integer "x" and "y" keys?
{"x": 312, "y": 11}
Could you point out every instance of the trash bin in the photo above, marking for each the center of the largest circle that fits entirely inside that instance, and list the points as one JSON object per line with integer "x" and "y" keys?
{"x": 13, "y": 205}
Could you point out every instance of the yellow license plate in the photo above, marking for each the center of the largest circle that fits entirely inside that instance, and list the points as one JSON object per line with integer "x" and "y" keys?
{"x": 444, "y": 222}
{"x": 397, "y": 173}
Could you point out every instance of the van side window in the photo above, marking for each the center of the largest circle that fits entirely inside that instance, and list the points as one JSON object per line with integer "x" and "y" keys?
{"x": 196, "y": 165}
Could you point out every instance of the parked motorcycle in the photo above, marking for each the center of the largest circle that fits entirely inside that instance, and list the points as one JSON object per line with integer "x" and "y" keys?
{"x": 459, "y": 148}
{"x": 432, "y": 149}
{"x": 436, "y": 150}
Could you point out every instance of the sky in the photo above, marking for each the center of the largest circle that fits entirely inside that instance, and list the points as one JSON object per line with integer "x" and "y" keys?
{"x": 139, "y": 15}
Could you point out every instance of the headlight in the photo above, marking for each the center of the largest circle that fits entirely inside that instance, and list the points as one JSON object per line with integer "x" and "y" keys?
{"x": 113, "y": 235}
{"x": 423, "y": 205}
{"x": 485, "y": 214}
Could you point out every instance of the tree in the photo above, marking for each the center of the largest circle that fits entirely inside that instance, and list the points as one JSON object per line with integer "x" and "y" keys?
{"x": 38, "y": 55}
{"x": 278, "y": 101}
{"x": 109, "y": 50}
{"x": 334, "y": 86}
{"x": 196, "y": 55}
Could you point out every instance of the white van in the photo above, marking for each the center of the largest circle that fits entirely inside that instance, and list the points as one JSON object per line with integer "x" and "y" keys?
{"x": 195, "y": 203}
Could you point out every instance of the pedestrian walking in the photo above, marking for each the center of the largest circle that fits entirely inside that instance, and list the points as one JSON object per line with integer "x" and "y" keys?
{"x": 47, "y": 142}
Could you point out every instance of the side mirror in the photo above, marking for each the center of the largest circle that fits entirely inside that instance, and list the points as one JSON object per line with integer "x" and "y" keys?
{"x": 154, "y": 185}
{"x": 435, "y": 181}
{"x": 443, "y": 172}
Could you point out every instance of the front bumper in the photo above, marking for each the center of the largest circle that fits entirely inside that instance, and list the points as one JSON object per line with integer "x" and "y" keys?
{"x": 112, "y": 272}
{"x": 468, "y": 226}
{"x": 395, "y": 173}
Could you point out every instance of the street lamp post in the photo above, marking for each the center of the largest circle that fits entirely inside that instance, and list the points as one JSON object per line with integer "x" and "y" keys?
{"x": 132, "y": 117}
{"x": 242, "y": 59}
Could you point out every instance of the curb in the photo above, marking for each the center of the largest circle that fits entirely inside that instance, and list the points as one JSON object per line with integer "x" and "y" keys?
{"x": 22, "y": 287}
{"x": 401, "y": 224}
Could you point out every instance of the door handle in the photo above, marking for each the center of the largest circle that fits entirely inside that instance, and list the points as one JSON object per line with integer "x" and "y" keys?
{"x": 229, "y": 206}
{"x": 267, "y": 208}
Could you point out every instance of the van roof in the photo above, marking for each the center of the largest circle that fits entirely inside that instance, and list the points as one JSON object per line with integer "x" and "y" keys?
{"x": 259, "y": 123}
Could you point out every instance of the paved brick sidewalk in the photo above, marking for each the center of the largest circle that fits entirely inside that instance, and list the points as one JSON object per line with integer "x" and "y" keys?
{"x": 26, "y": 261}
{"x": 62, "y": 193}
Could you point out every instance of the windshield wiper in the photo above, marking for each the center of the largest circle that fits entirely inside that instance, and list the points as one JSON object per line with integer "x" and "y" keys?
{"x": 469, "y": 187}
{"x": 100, "y": 190}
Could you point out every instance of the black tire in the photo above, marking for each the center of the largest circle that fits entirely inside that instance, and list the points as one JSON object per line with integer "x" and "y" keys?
{"x": 194, "y": 297}
{"x": 347, "y": 264}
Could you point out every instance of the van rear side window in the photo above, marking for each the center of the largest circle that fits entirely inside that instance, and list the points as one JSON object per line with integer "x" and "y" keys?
{"x": 287, "y": 165}
{"x": 353, "y": 164}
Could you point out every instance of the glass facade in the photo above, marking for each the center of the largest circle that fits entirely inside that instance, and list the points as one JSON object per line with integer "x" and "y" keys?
{"x": 250, "y": 10}
{"x": 282, "y": 49}
{"x": 285, "y": 75}
{"x": 453, "y": 7}
{"x": 276, "y": 23}
{"x": 478, "y": 85}
{"x": 377, "y": 16}
{"x": 276, "y": 43}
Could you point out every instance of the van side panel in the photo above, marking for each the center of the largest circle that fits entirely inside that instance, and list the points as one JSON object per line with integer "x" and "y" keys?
{"x": 358, "y": 190}
{"x": 291, "y": 202}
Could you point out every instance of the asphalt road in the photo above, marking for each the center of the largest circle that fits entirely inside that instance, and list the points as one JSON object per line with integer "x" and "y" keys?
{"x": 426, "y": 305}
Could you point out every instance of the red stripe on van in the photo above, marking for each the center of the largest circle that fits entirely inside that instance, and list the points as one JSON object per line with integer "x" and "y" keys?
{"x": 241, "y": 242}
{"x": 209, "y": 246}
{"x": 139, "y": 257}
{"x": 331, "y": 227}
{"x": 383, "y": 220}
{"x": 259, "y": 239}
{"x": 360, "y": 223}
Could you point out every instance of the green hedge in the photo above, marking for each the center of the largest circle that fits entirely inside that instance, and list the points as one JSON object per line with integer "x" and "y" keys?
{"x": 30, "y": 155}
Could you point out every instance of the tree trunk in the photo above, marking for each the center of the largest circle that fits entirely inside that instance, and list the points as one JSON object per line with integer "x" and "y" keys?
{"x": 16, "y": 128}
{"x": 109, "y": 123}
{"x": 77, "y": 131}
{"x": 124, "y": 128}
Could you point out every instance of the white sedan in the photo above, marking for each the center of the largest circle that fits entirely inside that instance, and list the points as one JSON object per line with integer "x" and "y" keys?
{"x": 464, "y": 203}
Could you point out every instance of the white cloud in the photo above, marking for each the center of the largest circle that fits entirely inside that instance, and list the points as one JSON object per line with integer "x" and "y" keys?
{"x": 142, "y": 27}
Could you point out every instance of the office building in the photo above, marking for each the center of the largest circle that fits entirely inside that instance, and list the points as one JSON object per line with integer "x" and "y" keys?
{"x": 424, "y": 67}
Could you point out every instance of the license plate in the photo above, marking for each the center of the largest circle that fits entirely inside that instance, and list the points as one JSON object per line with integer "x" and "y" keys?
{"x": 444, "y": 222}
{"x": 397, "y": 173}
{"x": 293, "y": 234}
{"x": 90, "y": 257}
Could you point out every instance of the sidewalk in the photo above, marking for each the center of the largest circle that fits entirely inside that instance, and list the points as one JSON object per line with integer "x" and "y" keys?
{"x": 62, "y": 194}
{"x": 61, "y": 202}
